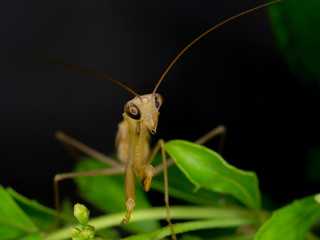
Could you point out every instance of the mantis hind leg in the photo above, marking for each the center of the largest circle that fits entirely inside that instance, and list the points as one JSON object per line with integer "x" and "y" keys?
{"x": 62, "y": 176}
{"x": 217, "y": 131}
{"x": 72, "y": 145}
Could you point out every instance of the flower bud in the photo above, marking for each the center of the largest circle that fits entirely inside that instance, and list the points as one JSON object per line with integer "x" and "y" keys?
{"x": 81, "y": 213}
{"x": 88, "y": 232}
{"x": 75, "y": 233}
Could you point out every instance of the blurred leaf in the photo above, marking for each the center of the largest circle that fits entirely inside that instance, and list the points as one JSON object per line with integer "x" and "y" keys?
{"x": 34, "y": 236}
{"x": 108, "y": 233}
{"x": 67, "y": 212}
{"x": 108, "y": 194}
{"x": 41, "y": 215}
{"x": 292, "y": 221}
{"x": 207, "y": 169}
{"x": 14, "y": 223}
{"x": 297, "y": 28}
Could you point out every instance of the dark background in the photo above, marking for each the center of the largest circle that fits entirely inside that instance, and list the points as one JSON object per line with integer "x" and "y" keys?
{"x": 235, "y": 76}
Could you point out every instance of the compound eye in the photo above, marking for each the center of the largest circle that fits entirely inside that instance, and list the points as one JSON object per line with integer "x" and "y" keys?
{"x": 132, "y": 111}
{"x": 158, "y": 100}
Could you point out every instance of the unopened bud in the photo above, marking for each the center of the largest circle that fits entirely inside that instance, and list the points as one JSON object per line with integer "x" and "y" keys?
{"x": 88, "y": 232}
{"x": 81, "y": 213}
{"x": 75, "y": 233}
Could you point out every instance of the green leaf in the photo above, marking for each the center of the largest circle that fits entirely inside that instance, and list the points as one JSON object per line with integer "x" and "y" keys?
{"x": 292, "y": 221}
{"x": 41, "y": 215}
{"x": 108, "y": 194}
{"x": 34, "y": 236}
{"x": 297, "y": 28}
{"x": 207, "y": 169}
{"x": 14, "y": 223}
{"x": 108, "y": 233}
{"x": 182, "y": 189}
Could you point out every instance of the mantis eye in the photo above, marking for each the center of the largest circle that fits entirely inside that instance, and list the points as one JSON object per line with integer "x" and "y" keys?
{"x": 158, "y": 100}
{"x": 132, "y": 111}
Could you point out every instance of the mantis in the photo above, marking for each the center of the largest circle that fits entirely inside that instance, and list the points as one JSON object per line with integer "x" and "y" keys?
{"x": 132, "y": 139}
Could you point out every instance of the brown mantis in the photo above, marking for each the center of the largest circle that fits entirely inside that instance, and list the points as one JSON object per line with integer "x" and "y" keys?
{"x": 132, "y": 140}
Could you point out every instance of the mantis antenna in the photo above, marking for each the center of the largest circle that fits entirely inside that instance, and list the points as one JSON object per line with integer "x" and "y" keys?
{"x": 204, "y": 34}
{"x": 70, "y": 65}
{"x": 32, "y": 58}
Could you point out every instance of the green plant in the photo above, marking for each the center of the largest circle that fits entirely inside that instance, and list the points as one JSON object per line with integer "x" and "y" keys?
{"x": 222, "y": 202}
{"x": 296, "y": 27}
{"x": 85, "y": 231}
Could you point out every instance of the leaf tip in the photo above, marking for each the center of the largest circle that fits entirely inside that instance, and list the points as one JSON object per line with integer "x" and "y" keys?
{"x": 317, "y": 198}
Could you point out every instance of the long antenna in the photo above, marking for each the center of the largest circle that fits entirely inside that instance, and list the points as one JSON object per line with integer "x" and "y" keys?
{"x": 38, "y": 59}
{"x": 204, "y": 34}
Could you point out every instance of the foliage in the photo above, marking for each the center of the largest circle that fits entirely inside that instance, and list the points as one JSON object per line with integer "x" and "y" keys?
{"x": 221, "y": 202}
{"x": 297, "y": 29}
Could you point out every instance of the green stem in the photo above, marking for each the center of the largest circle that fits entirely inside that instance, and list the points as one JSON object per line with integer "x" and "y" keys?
{"x": 192, "y": 226}
{"x": 159, "y": 213}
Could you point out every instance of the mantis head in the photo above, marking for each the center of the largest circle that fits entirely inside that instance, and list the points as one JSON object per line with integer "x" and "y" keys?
{"x": 145, "y": 109}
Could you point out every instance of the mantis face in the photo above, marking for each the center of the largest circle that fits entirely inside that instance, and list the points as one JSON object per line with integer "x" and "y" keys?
{"x": 145, "y": 109}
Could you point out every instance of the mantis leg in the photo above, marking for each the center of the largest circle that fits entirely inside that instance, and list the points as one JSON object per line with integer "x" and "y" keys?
{"x": 217, "y": 131}
{"x": 148, "y": 174}
{"x": 130, "y": 191}
{"x": 62, "y": 176}
{"x": 71, "y": 144}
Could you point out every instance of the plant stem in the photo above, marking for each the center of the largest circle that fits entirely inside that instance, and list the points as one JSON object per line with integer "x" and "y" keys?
{"x": 192, "y": 226}
{"x": 159, "y": 213}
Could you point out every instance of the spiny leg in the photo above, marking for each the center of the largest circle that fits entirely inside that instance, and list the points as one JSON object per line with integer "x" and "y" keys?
{"x": 62, "y": 176}
{"x": 71, "y": 144}
{"x": 217, "y": 131}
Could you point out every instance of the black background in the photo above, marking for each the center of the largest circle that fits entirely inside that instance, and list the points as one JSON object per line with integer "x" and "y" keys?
{"x": 235, "y": 76}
